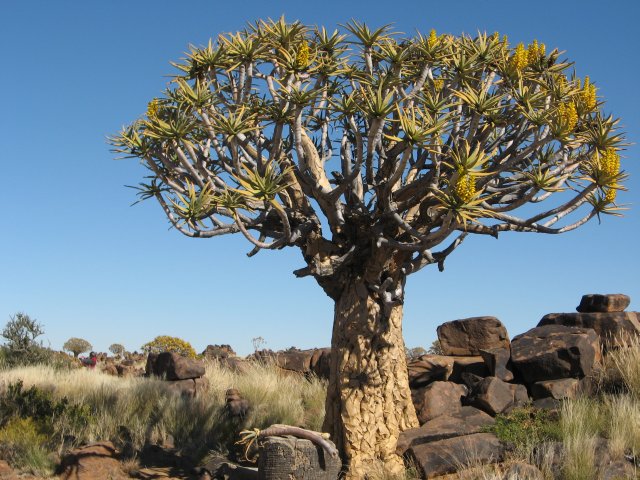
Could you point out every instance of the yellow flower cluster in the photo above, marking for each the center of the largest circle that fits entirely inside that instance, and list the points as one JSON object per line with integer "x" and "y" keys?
{"x": 438, "y": 84}
{"x": 432, "y": 41}
{"x": 535, "y": 51}
{"x": 610, "y": 162}
{"x": 568, "y": 115}
{"x": 523, "y": 57}
{"x": 152, "y": 108}
{"x": 588, "y": 94}
{"x": 610, "y": 195}
{"x": 465, "y": 188}
{"x": 302, "y": 57}
{"x": 520, "y": 58}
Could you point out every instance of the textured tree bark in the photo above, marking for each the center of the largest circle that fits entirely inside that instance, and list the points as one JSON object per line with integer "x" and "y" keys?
{"x": 368, "y": 399}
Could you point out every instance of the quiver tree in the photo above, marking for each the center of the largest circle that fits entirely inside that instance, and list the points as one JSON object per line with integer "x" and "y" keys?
{"x": 376, "y": 155}
{"x": 77, "y": 346}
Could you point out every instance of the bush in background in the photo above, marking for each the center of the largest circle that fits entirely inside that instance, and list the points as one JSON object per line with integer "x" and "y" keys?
{"x": 165, "y": 343}
{"x": 117, "y": 349}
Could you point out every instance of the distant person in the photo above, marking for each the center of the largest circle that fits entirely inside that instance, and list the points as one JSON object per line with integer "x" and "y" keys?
{"x": 91, "y": 361}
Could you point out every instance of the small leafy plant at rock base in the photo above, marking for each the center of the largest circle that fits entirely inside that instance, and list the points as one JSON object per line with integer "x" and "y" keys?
{"x": 526, "y": 427}
{"x": 165, "y": 343}
{"x": 23, "y": 444}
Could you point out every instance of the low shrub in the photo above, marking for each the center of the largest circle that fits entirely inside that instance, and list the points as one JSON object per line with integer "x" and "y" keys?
{"x": 526, "y": 427}
{"x": 23, "y": 443}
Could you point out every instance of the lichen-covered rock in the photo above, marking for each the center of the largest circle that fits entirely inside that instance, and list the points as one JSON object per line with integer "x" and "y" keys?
{"x": 551, "y": 352}
{"x": 453, "y": 454}
{"x": 283, "y": 458}
{"x": 594, "y": 302}
{"x": 470, "y": 335}
{"x": 437, "y": 398}
{"x": 614, "y": 328}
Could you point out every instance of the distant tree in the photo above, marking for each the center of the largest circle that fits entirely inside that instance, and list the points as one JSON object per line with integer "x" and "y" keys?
{"x": 77, "y": 346}
{"x": 165, "y": 343}
{"x": 413, "y": 353}
{"x": 376, "y": 155}
{"x": 258, "y": 343}
{"x": 435, "y": 348}
{"x": 117, "y": 349}
{"x": 21, "y": 332}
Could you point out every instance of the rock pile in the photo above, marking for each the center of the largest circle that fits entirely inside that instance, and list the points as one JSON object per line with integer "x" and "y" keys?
{"x": 182, "y": 375}
{"x": 482, "y": 373}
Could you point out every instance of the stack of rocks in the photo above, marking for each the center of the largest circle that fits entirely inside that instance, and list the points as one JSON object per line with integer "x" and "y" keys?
{"x": 183, "y": 375}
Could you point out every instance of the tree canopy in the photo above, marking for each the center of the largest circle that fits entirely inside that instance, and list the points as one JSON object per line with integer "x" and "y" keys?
{"x": 293, "y": 135}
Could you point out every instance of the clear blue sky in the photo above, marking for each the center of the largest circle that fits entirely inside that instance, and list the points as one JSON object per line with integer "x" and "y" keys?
{"x": 76, "y": 256}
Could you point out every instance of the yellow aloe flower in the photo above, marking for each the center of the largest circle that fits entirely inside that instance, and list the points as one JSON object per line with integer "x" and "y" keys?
{"x": 520, "y": 58}
{"x": 610, "y": 162}
{"x": 438, "y": 84}
{"x": 535, "y": 51}
{"x": 302, "y": 57}
{"x": 152, "y": 108}
{"x": 465, "y": 187}
{"x": 610, "y": 195}
{"x": 432, "y": 41}
{"x": 568, "y": 115}
{"x": 588, "y": 94}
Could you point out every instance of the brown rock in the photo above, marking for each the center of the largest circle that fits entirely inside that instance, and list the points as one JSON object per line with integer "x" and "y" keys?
{"x": 216, "y": 352}
{"x": 428, "y": 368}
{"x": 321, "y": 363}
{"x": 235, "y": 405}
{"x": 523, "y": 471}
{"x": 98, "y": 461}
{"x": 594, "y": 302}
{"x": 172, "y": 366}
{"x": 465, "y": 421}
{"x": 520, "y": 394}
{"x": 555, "y": 351}
{"x": 453, "y": 454}
{"x": 468, "y": 365}
{"x": 498, "y": 362}
{"x": 288, "y": 458}
{"x": 619, "y": 470}
{"x": 470, "y": 335}
{"x": 191, "y": 387}
{"x": 614, "y": 328}
{"x": 559, "y": 389}
{"x": 437, "y": 399}
{"x": 491, "y": 395}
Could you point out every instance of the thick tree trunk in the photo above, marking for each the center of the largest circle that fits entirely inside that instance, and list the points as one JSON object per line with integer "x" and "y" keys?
{"x": 368, "y": 399}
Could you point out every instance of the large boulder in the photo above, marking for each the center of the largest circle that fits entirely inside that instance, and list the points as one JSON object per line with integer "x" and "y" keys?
{"x": 468, "y": 365}
{"x": 453, "y": 454}
{"x": 172, "y": 366}
{"x": 470, "y": 335}
{"x": 465, "y": 421}
{"x": 287, "y": 457}
{"x": 437, "y": 398}
{"x": 314, "y": 361}
{"x": 614, "y": 328}
{"x": 594, "y": 302}
{"x": 555, "y": 351}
